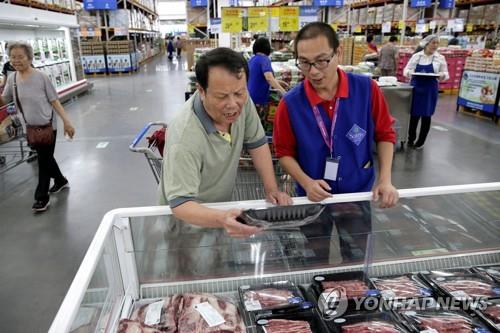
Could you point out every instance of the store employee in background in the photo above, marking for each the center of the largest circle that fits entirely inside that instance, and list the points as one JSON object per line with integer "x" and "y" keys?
{"x": 425, "y": 88}
{"x": 261, "y": 77}
{"x": 204, "y": 144}
{"x": 326, "y": 126}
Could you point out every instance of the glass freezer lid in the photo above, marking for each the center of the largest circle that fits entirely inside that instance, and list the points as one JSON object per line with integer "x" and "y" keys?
{"x": 168, "y": 250}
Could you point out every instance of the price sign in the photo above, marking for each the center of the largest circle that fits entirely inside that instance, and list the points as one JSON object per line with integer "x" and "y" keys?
{"x": 232, "y": 24}
{"x": 258, "y": 24}
{"x": 334, "y": 26}
{"x": 289, "y": 23}
{"x": 386, "y": 27}
{"x": 401, "y": 25}
{"x": 357, "y": 28}
{"x": 232, "y": 12}
{"x": 470, "y": 27}
{"x": 289, "y": 11}
{"x": 275, "y": 11}
{"x": 258, "y": 12}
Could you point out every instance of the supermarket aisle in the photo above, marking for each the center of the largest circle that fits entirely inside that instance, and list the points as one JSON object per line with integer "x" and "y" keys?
{"x": 39, "y": 255}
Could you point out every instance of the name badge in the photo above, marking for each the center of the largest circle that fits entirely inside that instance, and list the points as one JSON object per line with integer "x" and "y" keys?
{"x": 331, "y": 168}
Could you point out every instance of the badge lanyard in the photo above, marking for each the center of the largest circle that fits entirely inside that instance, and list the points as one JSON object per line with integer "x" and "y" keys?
{"x": 321, "y": 124}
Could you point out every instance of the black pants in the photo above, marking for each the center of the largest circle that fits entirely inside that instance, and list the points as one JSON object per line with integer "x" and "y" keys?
{"x": 47, "y": 169}
{"x": 179, "y": 50}
{"x": 425, "y": 126}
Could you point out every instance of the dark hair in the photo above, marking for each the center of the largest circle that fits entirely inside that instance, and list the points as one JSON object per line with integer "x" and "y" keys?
{"x": 393, "y": 39}
{"x": 256, "y": 36}
{"x": 315, "y": 29}
{"x": 262, "y": 45}
{"x": 369, "y": 38}
{"x": 456, "y": 34}
{"x": 220, "y": 57}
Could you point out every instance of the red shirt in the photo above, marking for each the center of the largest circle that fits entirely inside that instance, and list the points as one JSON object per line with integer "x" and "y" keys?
{"x": 284, "y": 139}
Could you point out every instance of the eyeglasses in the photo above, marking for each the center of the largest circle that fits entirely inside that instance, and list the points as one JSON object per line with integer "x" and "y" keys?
{"x": 318, "y": 64}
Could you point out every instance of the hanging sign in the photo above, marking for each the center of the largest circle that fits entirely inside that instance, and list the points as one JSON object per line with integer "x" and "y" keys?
{"x": 446, "y": 4}
{"x": 308, "y": 14}
{"x": 469, "y": 27}
{"x": 231, "y": 12}
{"x": 258, "y": 12}
{"x": 232, "y": 24}
{"x": 121, "y": 31}
{"x": 334, "y": 26}
{"x": 275, "y": 11}
{"x": 215, "y": 25}
{"x": 289, "y": 18}
{"x": 99, "y": 4}
{"x": 420, "y": 3}
{"x": 198, "y": 3}
{"x": 450, "y": 25}
{"x": 478, "y": 90}
{"x": 328, "y": 3}
{"x": 258, "y": 24}
{"x": 432, "y": 25}
{"x": 357, "y": 28}
{"x": 401, "y": 25}
{"x": 386, "y": 27}
{"x": 459, "y": 25}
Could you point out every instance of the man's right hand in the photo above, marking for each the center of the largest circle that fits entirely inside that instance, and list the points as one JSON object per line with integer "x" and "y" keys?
{"x": 317, "y": 190}
{"x": 234, "y": 228}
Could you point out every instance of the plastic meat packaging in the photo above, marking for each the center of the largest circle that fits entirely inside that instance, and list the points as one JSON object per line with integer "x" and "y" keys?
{"x": 491, "y": 271}
{"x": 442, "y": 321}
{"x": 401, "y": 287}
{"x": 490, "y": 314}
{"x": 282, "y": 217}
{"x": 376, "y": 322}
{"x": 270, "y": 296}
{"x": 305, "y": 322}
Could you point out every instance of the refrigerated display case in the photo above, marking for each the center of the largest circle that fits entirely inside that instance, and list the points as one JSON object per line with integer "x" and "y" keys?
{"x": 140, "y": 255}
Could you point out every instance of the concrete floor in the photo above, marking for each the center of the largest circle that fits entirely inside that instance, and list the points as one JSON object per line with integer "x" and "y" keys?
{"x": 40, "y": 254}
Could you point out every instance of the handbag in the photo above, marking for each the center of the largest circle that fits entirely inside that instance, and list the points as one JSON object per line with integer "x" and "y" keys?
{"x": 37, "y": 135}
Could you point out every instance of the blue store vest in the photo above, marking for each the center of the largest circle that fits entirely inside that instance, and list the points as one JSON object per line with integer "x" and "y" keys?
{"x": 353, "y": 137}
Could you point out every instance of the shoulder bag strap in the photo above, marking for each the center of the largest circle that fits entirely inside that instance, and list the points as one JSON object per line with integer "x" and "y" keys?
{"x": 18, "y": 102}
{"x": 45, "y": 87}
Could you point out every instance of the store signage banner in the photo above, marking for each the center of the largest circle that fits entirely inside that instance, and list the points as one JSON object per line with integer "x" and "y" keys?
{"x": 289, "y": 18}
{"x": 386, "y": 27}
{"x": 478, "y": 90}
{"x": 258, "y": 12}
{"x": 232, "y": 24}
{"x": 198, "y": 3}
{"x": 459, "y": 25}
{"x": 99, "y": 4}
{"x": 309, "y": 11}
{"x": 215, "y": 25}
{"x": 450, "y": 25}
{"x": 275, "y": 11}
{"x": 258, "y": 24}
{"x": 328, "y": 3}
{"x": 446, "y": 4}
{"x": 420, "y": 3}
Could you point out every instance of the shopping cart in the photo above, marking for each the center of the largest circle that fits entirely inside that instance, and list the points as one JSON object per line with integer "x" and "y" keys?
{"x": 248, "y": 186}
{"x": 14, "y": 149}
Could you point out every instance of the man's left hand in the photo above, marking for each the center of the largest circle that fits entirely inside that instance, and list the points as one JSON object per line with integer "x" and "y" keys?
{"x": 279, "y": 198}
{"x": 387, "y": 194}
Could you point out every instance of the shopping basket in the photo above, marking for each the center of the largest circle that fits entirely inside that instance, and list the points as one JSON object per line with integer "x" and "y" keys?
{"x": 248, "y": 186}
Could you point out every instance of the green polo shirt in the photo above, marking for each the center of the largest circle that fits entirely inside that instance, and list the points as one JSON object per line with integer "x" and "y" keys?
{"x": 199, "y": 164}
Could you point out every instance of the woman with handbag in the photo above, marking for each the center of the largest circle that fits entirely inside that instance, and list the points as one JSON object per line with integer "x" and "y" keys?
{"x": 36, "y": 98}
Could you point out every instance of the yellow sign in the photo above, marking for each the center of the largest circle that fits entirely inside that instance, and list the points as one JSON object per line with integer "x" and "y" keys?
{"x": 258, "y": 12}
{"x": 275, "y": 11}
{"x": 191, "y": 28}
{"x": 357, "y": 28}
{"x": 232, "y": 24}
{"x": 289, "y": 23}
{"x": 289, "y": 11}
{"x": 469, "y": 27}
{"x": 232, "y": 12}
{"x": 334, "y": 26}
{"x": 401, "y": 25}
{"x": 258, "y": 24}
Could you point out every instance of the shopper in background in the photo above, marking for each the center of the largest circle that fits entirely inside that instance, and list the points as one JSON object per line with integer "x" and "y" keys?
{"x": 326, "y": 126}
{"x": 261, "y": 77}
{"x": 170, "y": 48}
{"x": 454, "y": 40}
{"x": 389, "y": 57}
{"x": 254, "y": 39}
{"x": 36, "y": 96}
{"x": 7, "y": 69}
{"x": 425, "y": 88}
{"x": 371, "y": 44}
{"x": 204, "y": 144}
{"x": 178, "y": 46}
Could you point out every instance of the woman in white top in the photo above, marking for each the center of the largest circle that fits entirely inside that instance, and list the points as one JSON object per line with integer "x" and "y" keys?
{"x": 425, "y": 68}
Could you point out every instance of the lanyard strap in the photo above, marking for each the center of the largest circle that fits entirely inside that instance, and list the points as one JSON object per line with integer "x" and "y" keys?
{"x": 322, "y": 128}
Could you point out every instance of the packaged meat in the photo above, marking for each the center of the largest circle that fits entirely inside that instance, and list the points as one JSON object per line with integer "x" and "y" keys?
{"x": 490, "y": 314}
{"x": 269, "y": 296}
{"x": 442, "y": 321}
{"x": 184, "y": 314}
{"x": 353, "y": 286}
{"x": 282, "y": 217}
{"x": 492, "y": 271}
{"x": 401, "y": 287}
{"x": 463, "y": 285}
{"x": 299, "y": 322}
{"x": 372, "y": 322}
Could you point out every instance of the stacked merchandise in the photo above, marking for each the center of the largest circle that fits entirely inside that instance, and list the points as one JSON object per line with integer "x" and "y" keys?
{"x": 355, "y": 16}
{"x": 93, "y": 60}
{"x": 192, "y": 44}
{"x": 379, "y": 17}
{"x": 388, "y": 13}
{"x": 370, "y": 15}
{"x": 347, "y": 44}
{"x": 87, "y": 20}
{"x": 359, "y": 52}
{"x": 484, "y": 61}
{"x": 455, "y": 60}
{"x": 120, "y": 56}
{"x": 281, "y": 56}
{"x": 476, "y": 15}
{"x": 490, "y": 15}
{"x": 404, "y": 55}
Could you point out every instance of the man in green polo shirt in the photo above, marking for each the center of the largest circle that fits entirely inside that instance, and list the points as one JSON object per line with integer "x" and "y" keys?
{"x": 205, "y": 141}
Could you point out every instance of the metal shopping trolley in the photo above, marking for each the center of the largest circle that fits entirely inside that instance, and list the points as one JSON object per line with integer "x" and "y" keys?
{"x": 248, "y": 186}
{"x": 14, "y": 149}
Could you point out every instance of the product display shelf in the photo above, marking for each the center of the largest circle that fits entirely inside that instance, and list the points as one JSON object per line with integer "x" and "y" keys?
{"x": 138, "y": 254}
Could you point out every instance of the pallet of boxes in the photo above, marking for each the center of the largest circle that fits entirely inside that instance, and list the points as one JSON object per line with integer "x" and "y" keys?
{"x": 120, "y": 57}
{"x": 93, "y": 59}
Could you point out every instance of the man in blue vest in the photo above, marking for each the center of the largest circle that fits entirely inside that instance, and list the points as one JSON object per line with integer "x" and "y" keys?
{"x": 325, "y": 127}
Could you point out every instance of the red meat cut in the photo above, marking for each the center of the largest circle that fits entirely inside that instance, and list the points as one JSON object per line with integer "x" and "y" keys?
{"x": 493, "y": 312}
{"x": 130, "y": 326}
{"x": 445, "y": 324}
{"x": 169, "y": 314}
{"x": 269, "y": 297}
{"x": 473, "y": 288}
{"x": 287, "y": 326}
{"x": 403, "y": 286}
{"x": 370, "y": 327}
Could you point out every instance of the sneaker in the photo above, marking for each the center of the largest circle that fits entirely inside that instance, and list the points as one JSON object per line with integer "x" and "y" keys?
{"x": 41, "y": 205}
{"x": 56, "y": 188}
{"x": 418, "y": 146}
